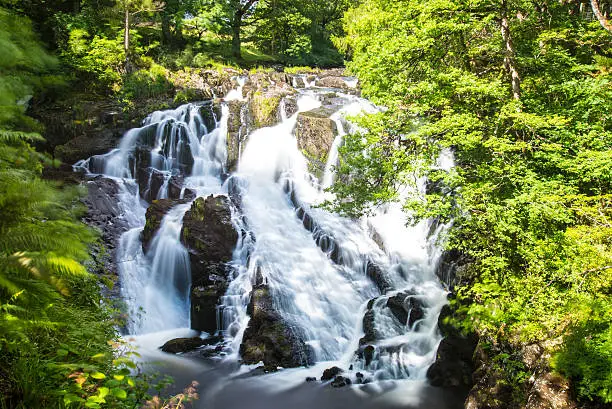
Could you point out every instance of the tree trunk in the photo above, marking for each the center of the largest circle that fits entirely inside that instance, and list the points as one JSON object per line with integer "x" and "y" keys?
{"x": 236, "y": 23}
{"x": 166, "y": 33}
{"x": 509, "y": 52}
{"x": 602, "y": 19}
{"x": 126, "y": 39}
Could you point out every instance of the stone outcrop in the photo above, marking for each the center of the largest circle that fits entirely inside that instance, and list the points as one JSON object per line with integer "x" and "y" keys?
{"x": 268, "y": 338}
{"x": 406, "y": 308}
{"x": 237, "y": 132}
{"x": 154, "y": 216}
{"x": 210, "y": 238}
{"x": 315, "y": 135}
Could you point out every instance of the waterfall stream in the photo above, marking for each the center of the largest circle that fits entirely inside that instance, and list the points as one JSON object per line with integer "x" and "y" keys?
{"x": 331, "y": 280}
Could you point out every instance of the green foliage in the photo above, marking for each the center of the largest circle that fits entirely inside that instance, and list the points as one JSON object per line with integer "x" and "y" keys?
{"x": 54, "y": 329}
{"x": 531, "y": 193}
{"x": 149, "y": 83}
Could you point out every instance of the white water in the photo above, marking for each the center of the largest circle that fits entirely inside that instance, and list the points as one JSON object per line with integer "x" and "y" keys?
{"x": 324, "y": 301}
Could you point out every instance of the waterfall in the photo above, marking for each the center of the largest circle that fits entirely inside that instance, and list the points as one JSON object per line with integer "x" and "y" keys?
{"x": 359, "y": 293}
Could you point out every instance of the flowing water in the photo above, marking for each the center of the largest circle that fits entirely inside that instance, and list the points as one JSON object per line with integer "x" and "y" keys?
{"x": 317, "y": 264}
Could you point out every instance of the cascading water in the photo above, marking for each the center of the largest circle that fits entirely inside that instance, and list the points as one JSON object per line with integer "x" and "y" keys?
{"x": 339, "y": 287}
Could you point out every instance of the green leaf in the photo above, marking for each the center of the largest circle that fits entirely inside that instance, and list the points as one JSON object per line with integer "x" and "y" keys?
{"x": 119, "y": 393}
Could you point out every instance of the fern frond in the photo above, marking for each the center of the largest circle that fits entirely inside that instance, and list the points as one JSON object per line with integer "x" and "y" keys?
{"x": 7, "y": 136}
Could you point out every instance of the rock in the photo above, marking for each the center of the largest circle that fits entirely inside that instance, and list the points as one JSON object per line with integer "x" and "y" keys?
{"x": 368, "y": 354}
{"x": 264, "y": 107}
{"x": 269, "y": 338}
{"x": 289, "y": 104}
{"x": 179, "y": 345}
{"x": 315, "y": 135}
{"x": 331, "y": 373}
{"x": 376, "y": 274}
{"x": 210, "y": 238}
{"x": 154, "y": 216}
{"x": 370, "y": 333}
{"x": 405, "y": 308}
{"x": 237, "y": 132}
{"x": 550, "y": 391}
{"x": 453, "y": 366}
{"x": 453, "y": 268}
{"x": 332, "y": 82}
{"x": 311, "y": 379}
{"x": 340, "y": 381}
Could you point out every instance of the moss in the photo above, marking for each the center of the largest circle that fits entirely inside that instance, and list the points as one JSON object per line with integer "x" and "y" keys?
{"x": 265, "y": 109}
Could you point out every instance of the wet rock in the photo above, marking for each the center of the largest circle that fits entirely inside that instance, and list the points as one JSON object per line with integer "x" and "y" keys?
{"x": 311, "y": 379}
{"x": 369, "y": 327}
{"x": 179, "y": 345}
{"x": 368, "y": 354}
{"x": 237, "y": 132}
{"x": 453, "y": 268}
{"x": 264, "y": 106}
{"x": 210, "y": 238}
{"x": 331, "y": 373}
{"x": 103, "y": 213}
{"x": 376, "y": 274}
{"x": 269, "y": 338}
{"x": 454, "y": 365}
{"x": 406, "y": 308}
{"x": 93, "y": 142}
{"x": 155, "y": 213}
{"x": 315, "y": 135}
{"x": 340, "y": 381}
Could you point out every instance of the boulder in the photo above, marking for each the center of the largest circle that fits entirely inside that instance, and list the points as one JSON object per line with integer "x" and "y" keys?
{"x": 154, "y": 216}
{"x": 340, "y": 381}
{"x": 453, "y": 268}
{"x": 405, "y": 308}
{"x": 371, "y": 335}
{"x": 331, "y": 373}
{"x": 453, "y": 366}
{"x": 264, "y": 107}
{"x": 269, "y": 338}
{"x": 210, "y": 238}
{"x": 378, "y": 276}
{"x": 315, "y": 135}
{"x": 237, "y": 132}
{"x": 179, "y": 345}
{"x": 332, "y": 82}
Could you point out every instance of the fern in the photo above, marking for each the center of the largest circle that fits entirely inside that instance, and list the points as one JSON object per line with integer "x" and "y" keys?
{"x": 10, "y": 137}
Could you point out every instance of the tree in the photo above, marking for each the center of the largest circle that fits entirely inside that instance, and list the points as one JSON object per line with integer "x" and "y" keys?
{"x": 131, "y": 8}
{"x": 520, "y": 92}
{"x": 239, "y": 11}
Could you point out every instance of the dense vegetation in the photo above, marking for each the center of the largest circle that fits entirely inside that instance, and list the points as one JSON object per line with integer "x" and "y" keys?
{"x": 521, "y": 92}
{"x": 58, "y": 341}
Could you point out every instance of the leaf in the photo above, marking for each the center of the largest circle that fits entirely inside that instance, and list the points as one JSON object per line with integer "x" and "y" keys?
{"x": 98, "y": 375}
{"x": 119, "y": 377}
{"x": 119, "y": 393}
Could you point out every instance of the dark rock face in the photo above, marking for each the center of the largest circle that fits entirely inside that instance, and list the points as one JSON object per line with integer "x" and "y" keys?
{"x": 405, "y": 308}
{"x": 178, "y": 345}
{"x": 269, "y": 338}
{"x": 237, "y": 132}
{"x": 155, "y": 214}
{"x": 102, "y": 213}
{"x": 340, "y": 381}
{"x": 452, "y": 268}
{"x": 210, "y": 237}
{"x": 369, "y": 327}
{"x": 376, "y": 274}
{"x": 331, "y": 373}
{"x": 453, "y": 366}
